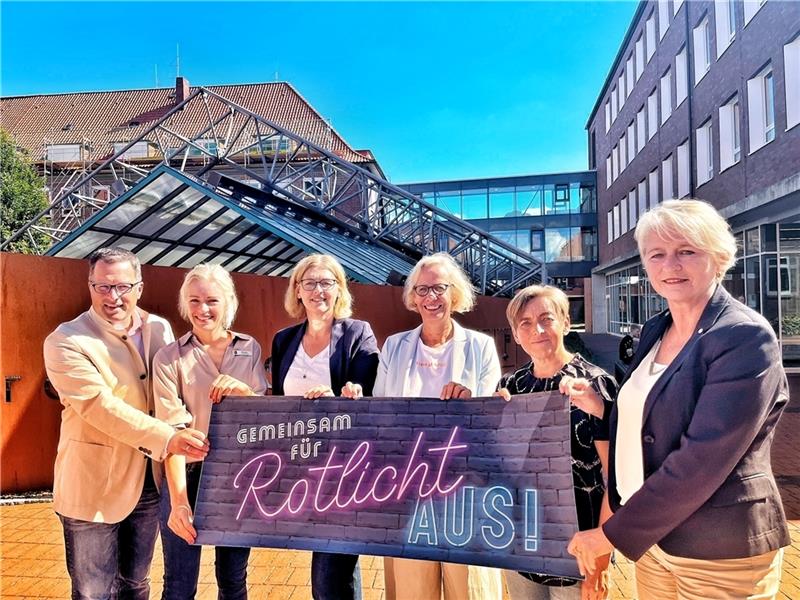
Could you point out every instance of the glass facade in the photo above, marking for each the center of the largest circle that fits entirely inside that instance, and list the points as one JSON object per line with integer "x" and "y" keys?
{"x": 766, "y": 277}
{"x": 554, "y": 217}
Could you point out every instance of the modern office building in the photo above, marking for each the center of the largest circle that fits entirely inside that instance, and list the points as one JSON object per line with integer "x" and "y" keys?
{"x": 703, "y": 100}
{"x": 554, "y": 217}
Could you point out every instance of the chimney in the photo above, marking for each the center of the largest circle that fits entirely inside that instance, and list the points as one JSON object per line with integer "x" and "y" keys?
{"x": 182, "y": 89}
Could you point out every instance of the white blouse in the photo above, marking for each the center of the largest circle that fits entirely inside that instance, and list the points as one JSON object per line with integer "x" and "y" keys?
{"x": 306, "y": 372}
{"x": 628, "y": 459}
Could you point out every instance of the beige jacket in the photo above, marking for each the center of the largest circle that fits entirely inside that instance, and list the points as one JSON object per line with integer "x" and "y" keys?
{"x": 107, "y": 427}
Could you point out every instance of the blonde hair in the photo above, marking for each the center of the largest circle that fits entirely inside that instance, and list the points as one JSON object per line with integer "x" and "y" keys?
{"x": 695, "y": 221}
{"x": 462, "y": 294}
{"x": 525, "y": 295}
{"x": 343, "y": 307}
{"x": 213, "y": 274}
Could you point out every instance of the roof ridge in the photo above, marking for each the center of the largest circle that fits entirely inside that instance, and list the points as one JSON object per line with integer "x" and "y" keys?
{"x": 144, "y": 89}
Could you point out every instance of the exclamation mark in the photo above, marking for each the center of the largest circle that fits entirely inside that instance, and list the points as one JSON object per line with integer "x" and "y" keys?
{"x": 531, "y": 521}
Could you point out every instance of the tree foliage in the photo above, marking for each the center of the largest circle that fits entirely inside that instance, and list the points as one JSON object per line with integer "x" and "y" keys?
{"x": 22, "y": 196}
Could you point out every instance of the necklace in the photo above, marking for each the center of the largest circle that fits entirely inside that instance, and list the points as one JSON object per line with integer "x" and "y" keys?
{"x": 654, "y": 368}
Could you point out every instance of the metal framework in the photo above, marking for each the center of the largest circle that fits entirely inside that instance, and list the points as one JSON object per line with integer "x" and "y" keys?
{"x": 208, "y": 133}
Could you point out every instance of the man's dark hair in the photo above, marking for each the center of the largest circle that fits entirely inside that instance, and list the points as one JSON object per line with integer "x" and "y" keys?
{"x": 115, "y": 255}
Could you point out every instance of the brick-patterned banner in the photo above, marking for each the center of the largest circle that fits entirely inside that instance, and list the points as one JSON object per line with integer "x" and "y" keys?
{"x": 480, "y": 481}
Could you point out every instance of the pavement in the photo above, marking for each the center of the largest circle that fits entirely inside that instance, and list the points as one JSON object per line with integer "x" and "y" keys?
{"x": 32, "y": 546}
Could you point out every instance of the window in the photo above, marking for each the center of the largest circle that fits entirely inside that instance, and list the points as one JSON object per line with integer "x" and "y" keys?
{"x": 138, "y": 150}
{"x": 676, "y": 5}
{"x": 641, "y": 192}
{"x": 610, "y": 226}
{"x": 614, "y": 111}
{"x": 666, "y": 96}
{"x": 702, "y": 50}
{"x": 751, "y": 7}
{"x": 724, "y": 23}
{"x": 652, "y": 115}
{"x": 608, "y": 116}
{"x": 631, "y": 141}
{"x": 629, "y": 76}
{"x": 705, "y": 153}
{"x": 639, "y": 57}
{"x": 663, "y": 18}
{"x": 667, "y": 192}
{"x": 617, "y": 229}
{"x": 652, "y": 184}
{"x": 729, "y": 137}
{"x": 623, "y": 153}
{"x": 761, "y": 109}
{"x": 623, "y": 216}
{"x": 681, "y": 77}
{"x": 632, "y": 208}
{"x": 683, "y": 169}
{"x": 621, "y": 90}
{"x": 615, "y": 163}
{"x": 641, "y": 130}
{"x": 650, "y": 36}
{"x": 562, "y": 193}
{"x": 537, "y": 240}
{"x": 791, "y": 64}
{"x": 608, "y": 171}
{"x": 63, "y": 152}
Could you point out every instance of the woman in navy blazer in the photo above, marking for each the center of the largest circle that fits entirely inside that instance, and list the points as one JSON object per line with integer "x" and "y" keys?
{"x": 694, "y": 499}
{"x": 328, "y": 354}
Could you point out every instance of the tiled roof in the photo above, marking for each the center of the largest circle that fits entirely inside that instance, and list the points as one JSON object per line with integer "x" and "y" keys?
{"x": 102, "y": 118}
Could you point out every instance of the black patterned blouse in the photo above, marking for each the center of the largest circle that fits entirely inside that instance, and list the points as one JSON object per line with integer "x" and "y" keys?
{"x": 587, "y": 472}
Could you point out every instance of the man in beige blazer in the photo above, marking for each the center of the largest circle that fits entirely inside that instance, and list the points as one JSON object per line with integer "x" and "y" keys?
{"x": 104, "y": 491}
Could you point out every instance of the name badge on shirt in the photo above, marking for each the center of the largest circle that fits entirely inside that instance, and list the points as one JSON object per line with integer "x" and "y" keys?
{"x": 242, "y": 353}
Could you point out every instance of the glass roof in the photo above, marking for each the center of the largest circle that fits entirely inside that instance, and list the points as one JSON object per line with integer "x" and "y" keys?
{"x": 172, "y": 219}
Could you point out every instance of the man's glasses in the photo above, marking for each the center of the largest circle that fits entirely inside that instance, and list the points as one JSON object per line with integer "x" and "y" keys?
{"x": 120, "y": 288}
{"x": 310, "y": 285}
{"x": 424, "y": 290}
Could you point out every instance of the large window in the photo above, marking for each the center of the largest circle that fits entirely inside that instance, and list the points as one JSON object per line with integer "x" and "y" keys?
{"x": 631, "y": 141}
{"x": 729, "y": 136}
{"x": 725, "y": 24}
{"x": 702, "y": 50}
{"x": 621, "y": 90}
{"x": 610, "y": 226}
{"x": 652, "y": 184}
{"x": 529, "y": 200}
{"x": 473, "y": 204}
{"x": 667, "y": 191}
{"x": 632, "y": 209}
{"x": 630, "y": 300}
{"x": 666, "y": 96}
{"x": 608, "y": 171}
{"x": 608, "y": 116}
{"x": 501, "y": 202}
{"x": 751, "y": 7}
{"x": 683, "y": 169}
{"x": 652, "y": 115}
{"x": 641, "y": 192}
{"x": 614, "y": 163}
{"x": 614, "y": 107}
{"x": 63, "y": 152}
{"x": 791, "y": 64}
{"x": 623, "y": 153}
{"x": 641, "y": 130}
{"x": 639, "y": 57}
{"x": 629, "y": 76}
{"x": 681, "y": 77}
{"x": 761, "y": 109}
{"x": 663, "y": 18}
{"x": 705, "y": 153}
{"x": 650, "y": 35}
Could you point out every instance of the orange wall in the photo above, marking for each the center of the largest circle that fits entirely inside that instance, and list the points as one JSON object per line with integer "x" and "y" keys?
{"x": 37, "y": 293}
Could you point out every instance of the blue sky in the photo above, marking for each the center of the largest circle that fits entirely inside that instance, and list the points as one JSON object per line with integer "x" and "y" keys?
{"x": 436, "y": 90}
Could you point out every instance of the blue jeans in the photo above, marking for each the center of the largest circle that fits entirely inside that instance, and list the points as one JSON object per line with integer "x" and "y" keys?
{"x": 182, "y": 560}
{"x": 112, "y": 560}
{"x": 335, "y": 576}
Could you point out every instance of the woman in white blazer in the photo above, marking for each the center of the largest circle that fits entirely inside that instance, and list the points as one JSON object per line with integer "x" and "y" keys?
{"x": 438, "y": 359}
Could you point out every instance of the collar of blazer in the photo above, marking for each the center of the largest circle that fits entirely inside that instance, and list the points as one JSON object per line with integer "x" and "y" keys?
{"x": 656, "y": 327}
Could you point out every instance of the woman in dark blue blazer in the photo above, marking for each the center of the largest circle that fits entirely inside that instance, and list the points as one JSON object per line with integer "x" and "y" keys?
{"x": 328, "y": 354}
{"x": 694, "y": 499}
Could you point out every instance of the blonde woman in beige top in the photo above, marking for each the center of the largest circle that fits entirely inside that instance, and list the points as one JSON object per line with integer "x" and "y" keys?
{"x": 189, "y": 376}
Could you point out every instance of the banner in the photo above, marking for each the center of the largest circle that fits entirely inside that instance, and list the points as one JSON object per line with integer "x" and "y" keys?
{"x": 479, "y": 481}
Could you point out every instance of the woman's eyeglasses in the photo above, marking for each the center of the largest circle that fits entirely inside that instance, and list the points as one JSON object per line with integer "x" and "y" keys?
{"x": 310, "y": 285}
{"x": 424, "y": 290}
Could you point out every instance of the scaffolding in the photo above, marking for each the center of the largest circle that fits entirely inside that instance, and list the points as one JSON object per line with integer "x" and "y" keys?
{"x": 208, "y": 136}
